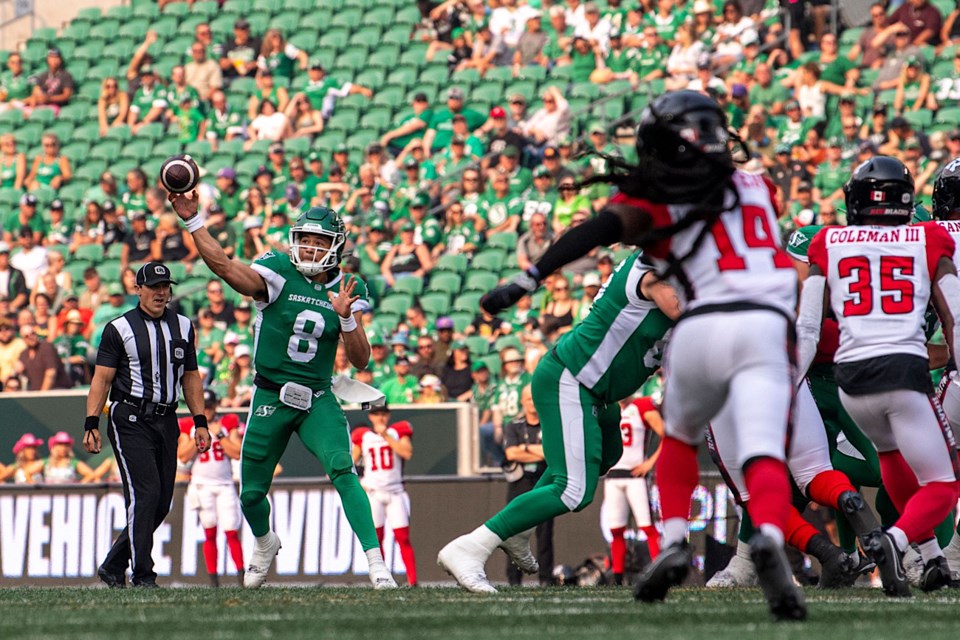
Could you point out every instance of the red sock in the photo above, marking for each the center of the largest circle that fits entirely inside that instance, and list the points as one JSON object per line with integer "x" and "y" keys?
{"x": 826, "y": 487}
{"x": 653, "y": 540}
{"x": 210, "y": 549}
{"x": 402, "y": 536}
{"x": 926, "y": 509}
{"x": 380, "y": 540}
{"x": 798, "y": 531}
{"x": 769, "y": 489}
{"x": 677, "y": 476}
{"x": 236, "y": 549}
{"x": 898, "y": 478}
{"x": 618, "y": 549}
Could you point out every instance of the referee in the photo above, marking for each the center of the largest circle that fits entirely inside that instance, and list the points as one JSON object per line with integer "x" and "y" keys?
{"x": 145, "y": 356}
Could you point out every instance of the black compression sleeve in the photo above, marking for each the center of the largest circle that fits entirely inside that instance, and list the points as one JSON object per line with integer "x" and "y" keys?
{"x": 603, "y": 230}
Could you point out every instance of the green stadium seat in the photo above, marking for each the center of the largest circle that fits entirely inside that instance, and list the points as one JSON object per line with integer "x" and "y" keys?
{"x": 114, "y": 251}
{"x": 461, "y": 320}
{"x": 506, "y": 240}
{"x": 76, "y": 32}
{"x": 919, "y": 119}
{"x": 412, "y": 286}
{"x": 107, "y": 150}
{"x": 457, "y": 263}
{"x": 92, "y": 253}
{"x": 110, "y": 270}
{"x": 104, "y": 30}
{"x": 436, "y": 304}
{"x": 76, "y": 267}
{"x": 396, "y": 303}
{"x": 12, "y": 117}
{"x": 176, "y": 9}
{"x": 152, "y": 131}
{"x": 400, "y": 36}
{"x": 348, "y": 19}
{"x": 482, "y": 281}
{"x": 948, "y": 115}
{"x": 120, "y": 133}
{"x": 206, "y": 8}
{"x": 377, "y": 119}
{"x": 446, "y": 283}
{"x": 120, "y": 13}
{"x": 147, "y": 10}
{"x": 478, "y": 346}
{"x": 469, "y": 302}
{"x": 506, "y": 342}
{"x": 90, "y": 14}
{"x": 489, "y": 260}
{"x": 493, "y": 363}
{"x": 138, "y": 150}
{"x": 372, "y": 78}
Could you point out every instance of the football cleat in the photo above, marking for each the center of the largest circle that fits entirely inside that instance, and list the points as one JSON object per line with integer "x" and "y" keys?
{"x": 464, "y": 559}
{"x": 784, "y": 596}
{"x": 260, "y": 561}
{"x": 864, "y": 566}
{"x": 114, "y": 581}
{"x": 381, "y": 579}
{"x": 913, "y": 566}
{"x": 668, "y": 570}
{"x": 952, "y": 553}
{"x": 883, "y": 550}
{"x": 518, "y": 549}
{"x": 739, "y": 573}
{"x": 858, "y": 514}
{"x": 839, "y": 571}
{"x": 936, "y": 575}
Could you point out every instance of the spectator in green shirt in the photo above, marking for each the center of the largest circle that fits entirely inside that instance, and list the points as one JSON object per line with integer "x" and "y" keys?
{"x": 832, "y": 174}
{"x": 582, "y": 58}
{"x": 15, "y": 85}
{"x": 410, "y": 127}
{"x": 764, "y": 90}
{"x": 519, "y": 176}
{"x": 149, "y": 101}
{"x": 228, "y": 192}
{"x": 323, "y": 90}
{"x": 440, "y": 127}
{"x": 222, "y": 121}
{"x": 401, "y": 388}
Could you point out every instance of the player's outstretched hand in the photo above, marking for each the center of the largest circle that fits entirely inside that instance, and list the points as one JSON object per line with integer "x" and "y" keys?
{"x": 507, "y": 295}
{"x": 343, "y": 301}
{"x": 184, "y": 204}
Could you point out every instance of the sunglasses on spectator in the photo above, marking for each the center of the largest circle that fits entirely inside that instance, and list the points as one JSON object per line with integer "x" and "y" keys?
{"x": 567, "y": 187}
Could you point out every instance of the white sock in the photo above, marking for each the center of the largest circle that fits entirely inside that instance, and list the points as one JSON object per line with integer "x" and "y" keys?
{"x": 954, "y": 543}
{"x": 899, "y": 538}
{"x": 485, "y": 538}
{"x": 930, "y": 549}
{"x": 772, "y": 531}
{"x": 743, "y": 550}
{"x": 374, "y": 557}
{"x": 674, "y": 530}
{"x": 264, "y": 539}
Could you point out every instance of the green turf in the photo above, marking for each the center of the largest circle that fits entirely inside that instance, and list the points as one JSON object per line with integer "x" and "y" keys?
{"x": 343, "y": 614}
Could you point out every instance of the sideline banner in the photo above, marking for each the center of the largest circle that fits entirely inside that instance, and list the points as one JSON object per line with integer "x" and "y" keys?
{"x": 57, "y": 536}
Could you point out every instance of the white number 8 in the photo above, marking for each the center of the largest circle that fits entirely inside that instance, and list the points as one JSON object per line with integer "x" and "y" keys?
{"x": 301, "y": 335}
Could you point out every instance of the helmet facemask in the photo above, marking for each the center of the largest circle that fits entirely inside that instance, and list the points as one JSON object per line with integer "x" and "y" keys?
{"x": 316, "y": 259}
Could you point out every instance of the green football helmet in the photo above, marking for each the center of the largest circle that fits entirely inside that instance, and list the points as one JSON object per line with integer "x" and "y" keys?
{"x": 310, "y": 260}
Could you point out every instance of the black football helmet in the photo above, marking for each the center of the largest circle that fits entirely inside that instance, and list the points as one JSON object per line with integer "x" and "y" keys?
{"x": 880, "y": 189}
{"x": 946, "y": 191}
{"x": 682, "y": 146}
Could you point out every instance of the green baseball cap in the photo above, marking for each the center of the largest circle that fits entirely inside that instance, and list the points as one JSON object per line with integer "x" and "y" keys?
{"x": 314, "y": 156}
{"x": 376, "y": 341}
{"x": 596, "y": 127}
{"x": 479, "y": 364}
{"x": 420, "y": 200}
{"x": 835, "y": 141}
{"x": 115, "y": 289}
{"x": 341, "y": 148}
{"x": 375, "y": 225}
{"x": 511, "y": 152}
{"x": 410, "y": 162}
{"x": 458, "y": 344}
{"x": 783, "y": 148}
{"x": 541, "y": 171}
{"x": 407, "y": 226}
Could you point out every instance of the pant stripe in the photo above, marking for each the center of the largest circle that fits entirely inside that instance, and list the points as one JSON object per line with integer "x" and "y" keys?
{"x": 253, "y": 397}
{"x": 571, "y": 419}
{"x": 133, "y": 496}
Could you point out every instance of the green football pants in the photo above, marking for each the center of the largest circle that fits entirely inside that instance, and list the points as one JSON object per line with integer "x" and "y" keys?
{"x": 581, "y": 441}
{"x": 325, "y": 432}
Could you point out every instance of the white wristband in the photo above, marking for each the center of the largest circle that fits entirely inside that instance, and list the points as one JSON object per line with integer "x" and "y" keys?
{"x": 348, "y": 324}
{"x": 193, "y": 224}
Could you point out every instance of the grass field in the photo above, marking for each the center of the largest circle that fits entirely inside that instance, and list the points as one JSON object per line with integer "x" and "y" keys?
{"x": 343, "y": 614}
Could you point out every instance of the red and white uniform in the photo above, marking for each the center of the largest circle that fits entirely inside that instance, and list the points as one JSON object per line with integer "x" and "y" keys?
{"x": 880, "y": 284}
{"x": 212, "y": 491}
{"x": 622, "y": 492}
{"x": 730, "y": 350}
{"x": 950, "y": 396}
{"x": 383, "y": 475}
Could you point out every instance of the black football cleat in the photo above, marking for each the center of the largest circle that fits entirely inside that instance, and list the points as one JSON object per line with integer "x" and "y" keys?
{"x": 858, "y": 514}
{"x": 936, "y": 575}
{"x": 883, "y": 550}
{"x": 668, "y": 570}
{"x": 836, "y": 567}
{"x": 785, "y": 599}
{"x": 112, "y": 580}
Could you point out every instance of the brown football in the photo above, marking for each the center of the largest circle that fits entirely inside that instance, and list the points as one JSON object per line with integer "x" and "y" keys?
{"x": 179, "y": 174}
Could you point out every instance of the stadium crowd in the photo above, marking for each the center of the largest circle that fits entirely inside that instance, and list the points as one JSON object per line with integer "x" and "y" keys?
{"x": 464, "y": 178}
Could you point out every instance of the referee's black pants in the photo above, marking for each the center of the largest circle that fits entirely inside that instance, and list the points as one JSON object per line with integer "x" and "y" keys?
{"x": 544, "y": 550}
{"x": 146, "y": 449}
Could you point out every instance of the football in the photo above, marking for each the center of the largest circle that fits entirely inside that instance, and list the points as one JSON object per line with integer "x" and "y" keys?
{"x": 179, "y": 174}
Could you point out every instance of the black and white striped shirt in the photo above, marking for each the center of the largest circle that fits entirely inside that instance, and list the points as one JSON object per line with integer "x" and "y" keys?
{"x": 149, "y": 354}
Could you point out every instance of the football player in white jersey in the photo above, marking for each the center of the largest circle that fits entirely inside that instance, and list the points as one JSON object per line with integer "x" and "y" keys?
{"x": 212, "y": 491}
{"x": 878, "y": 276}
{"x": 625, "y": 487}
{"x": 711, "y": 231}
{"x": 384, "y": 447}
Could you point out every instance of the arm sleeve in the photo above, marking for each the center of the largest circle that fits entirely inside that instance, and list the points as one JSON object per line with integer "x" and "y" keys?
{"x": 644, "y": 404}
{"x": 190, "y": 363}
{"x": 185, "y": 425}
{"x": 939, "y": 245}
{"x": 111, "y": 348}
{"x": 605, "y": 229}
{"x": 809, "y": 319}
{"x": 817, "y": 253}
{"x": 403, "y": 428}
{"x": 357, "y": 436}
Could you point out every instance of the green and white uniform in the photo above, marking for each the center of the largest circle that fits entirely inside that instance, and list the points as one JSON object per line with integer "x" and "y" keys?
{"x": 576, "y": 387}
{"x": 297, "y": 332}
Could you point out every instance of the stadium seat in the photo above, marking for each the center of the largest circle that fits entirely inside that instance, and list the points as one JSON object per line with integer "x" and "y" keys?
{"x": 461, "y": 320}
{"x": 448, "y": 283}
{"x": 436, "y": 304}
{"x": 506, "y": 240}
{"x": 482, "y": 281}
{"x": 506, "y": 342}
{"x": 456, "y": 263}
{"x": 490, "y": 259}
{"x": 91, "y": 253}
{"x": 469, "y": 302}
{"x": 396, "y": 303}
{"x": 478, "y": 345}
{"x": 412, "y": 286}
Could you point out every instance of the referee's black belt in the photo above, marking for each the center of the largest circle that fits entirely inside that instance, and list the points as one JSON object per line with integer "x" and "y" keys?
{"x": 264, "y": 383}
{"x": 144, "y": 406}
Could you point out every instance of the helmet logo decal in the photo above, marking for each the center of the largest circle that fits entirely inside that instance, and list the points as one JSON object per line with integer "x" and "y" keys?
{"x": 689, "y": 134}
{"x": 905, "y": 198}
{"x": 876, "y": 196}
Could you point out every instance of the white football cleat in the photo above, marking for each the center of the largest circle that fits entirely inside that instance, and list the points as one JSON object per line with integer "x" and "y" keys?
{"x": 464, "y": 559}
{"x": 738, "y": 573}
{"x": 913, "y": 565}
{"x": 952, "y": 554}
{"x": 518, "y": 548}
{"x": 260, "y": 561}
{"x": 380, "y": 576}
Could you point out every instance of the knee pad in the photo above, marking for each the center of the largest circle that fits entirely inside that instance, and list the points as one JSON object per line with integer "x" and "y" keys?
{"x": 340, "y": 463}
{"x": 251, "y": 497}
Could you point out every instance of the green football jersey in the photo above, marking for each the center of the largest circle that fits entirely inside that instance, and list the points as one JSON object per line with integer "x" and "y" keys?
{"x": 297, "y": 330}
{"x": 620, "y": 344}
{"x": 508, "y": 397}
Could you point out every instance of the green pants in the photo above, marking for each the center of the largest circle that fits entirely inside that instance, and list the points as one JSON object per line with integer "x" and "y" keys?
{"x": 581, "y": 442}
{"x": 325, "y": 433}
